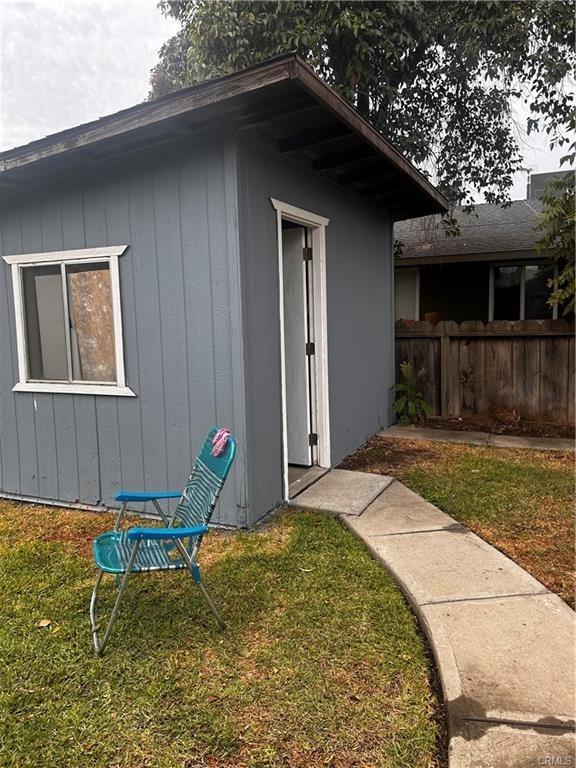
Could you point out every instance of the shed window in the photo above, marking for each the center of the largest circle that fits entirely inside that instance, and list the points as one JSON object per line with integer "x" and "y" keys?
{"x": 68, "y": 321}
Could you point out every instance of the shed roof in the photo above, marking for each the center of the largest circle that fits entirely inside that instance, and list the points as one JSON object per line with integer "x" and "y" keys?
{"x": 282, "y": 101}
{"x": 486, "y": 232}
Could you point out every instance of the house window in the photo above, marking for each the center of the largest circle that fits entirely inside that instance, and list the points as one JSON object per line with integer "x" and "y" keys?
{"x": 407, "y": 294}
{"x": 536, "y": 291}
{"x": 520, "y": 292}
{"x": 68, "y": 321}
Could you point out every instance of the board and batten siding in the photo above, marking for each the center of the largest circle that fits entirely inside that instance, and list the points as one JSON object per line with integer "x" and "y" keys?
{"x": 174, "y": 206}
{"x": 360, "y": 305}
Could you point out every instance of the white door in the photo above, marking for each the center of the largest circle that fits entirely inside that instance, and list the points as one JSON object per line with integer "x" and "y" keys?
{"x": 296, "y": 336}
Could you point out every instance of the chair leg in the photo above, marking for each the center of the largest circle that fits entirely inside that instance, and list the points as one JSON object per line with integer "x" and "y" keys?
{"x": 93, "y": 623}
{"x": 211, "y": 605}
{"x": 120, "y": 515}
{"x": 194, "y": 569}
{"x": 100, "y": 645}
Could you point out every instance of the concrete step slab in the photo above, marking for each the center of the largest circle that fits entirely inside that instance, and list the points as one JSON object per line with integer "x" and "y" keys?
{"x": 343, "y": 492}
{"x": 399, "y": 510}
{"x": 451, "y": 564}
{"x": 491, "y": 745}
{"x": 508, "y": 659}
{"x": 306, "y": 480}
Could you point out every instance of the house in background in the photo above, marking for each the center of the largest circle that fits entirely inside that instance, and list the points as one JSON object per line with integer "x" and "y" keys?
{"x": 490, "y": 272}
{"x": 221, "y": 255}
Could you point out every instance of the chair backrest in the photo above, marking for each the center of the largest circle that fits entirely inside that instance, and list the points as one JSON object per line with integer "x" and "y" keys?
{"x": 205, "y": 483}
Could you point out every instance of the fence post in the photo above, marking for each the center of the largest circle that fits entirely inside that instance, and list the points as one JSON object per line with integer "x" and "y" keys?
{"x": 444, "y": 371}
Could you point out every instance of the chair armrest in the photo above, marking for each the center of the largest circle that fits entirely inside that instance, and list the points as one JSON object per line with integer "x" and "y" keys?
{"x": 149, "y": 496}
{"x": 166, "y": 533}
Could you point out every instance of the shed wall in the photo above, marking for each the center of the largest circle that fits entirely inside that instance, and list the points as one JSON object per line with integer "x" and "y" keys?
{"x": 175, "y": 207}
{"x": 360, "y": 313}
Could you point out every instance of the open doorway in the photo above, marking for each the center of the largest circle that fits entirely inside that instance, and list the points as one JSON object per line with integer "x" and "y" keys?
{"x": 299, "y": 348}
{"x": 306, "y": 441}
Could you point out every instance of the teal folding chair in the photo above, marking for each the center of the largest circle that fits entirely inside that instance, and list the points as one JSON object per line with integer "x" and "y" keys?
{"x": 140, "y": 550}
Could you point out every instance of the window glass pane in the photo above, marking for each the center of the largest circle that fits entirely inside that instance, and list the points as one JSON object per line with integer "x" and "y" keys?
{"x": 507, "y": 293}
{"x": 45, "y": 324}
{"x": 537, "y": 291}
{"x": 405, "y": 283}
{"x": 455, "y": 291}
{"x": 91, "y": 322}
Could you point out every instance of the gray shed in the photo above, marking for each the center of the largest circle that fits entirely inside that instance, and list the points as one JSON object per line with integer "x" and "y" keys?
{"x": 222, "y": 254}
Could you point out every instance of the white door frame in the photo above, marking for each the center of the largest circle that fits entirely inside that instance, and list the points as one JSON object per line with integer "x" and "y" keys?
{"x": 317, "y": 226}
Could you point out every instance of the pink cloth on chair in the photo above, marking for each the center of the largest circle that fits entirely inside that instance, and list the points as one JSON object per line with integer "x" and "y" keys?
{"x": 219, "y": 441}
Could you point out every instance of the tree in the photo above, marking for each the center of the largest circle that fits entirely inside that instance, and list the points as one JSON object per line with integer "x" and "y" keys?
{"x": 170, "y": 73}
{"x": 557, "y": 223}
{"x": 436, "y": 78}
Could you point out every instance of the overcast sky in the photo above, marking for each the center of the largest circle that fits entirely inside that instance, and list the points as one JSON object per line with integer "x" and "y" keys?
{"x": 65, "y": 62}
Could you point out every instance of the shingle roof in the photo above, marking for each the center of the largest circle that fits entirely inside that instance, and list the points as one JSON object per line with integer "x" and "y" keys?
{"x": 488, "y": 229}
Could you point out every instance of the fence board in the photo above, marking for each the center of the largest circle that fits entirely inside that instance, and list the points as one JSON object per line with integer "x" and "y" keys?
{"x": 571, "y": 382}
{"x": 473, "y": 376}
{"x": 554, "y": 380}
{"x": 526, "y": 373}
{"x": 454, "y": 398}
{"x": 473, "y": 368}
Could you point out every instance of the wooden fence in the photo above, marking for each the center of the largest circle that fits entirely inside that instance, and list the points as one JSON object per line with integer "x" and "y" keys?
{"x": 473, "y": 367}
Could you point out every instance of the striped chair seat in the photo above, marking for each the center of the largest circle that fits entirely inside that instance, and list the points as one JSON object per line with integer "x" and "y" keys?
{"x": 112, "y": 552}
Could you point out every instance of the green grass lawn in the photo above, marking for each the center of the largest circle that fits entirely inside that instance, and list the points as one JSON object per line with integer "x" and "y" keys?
{"x": 321, "y": 663}
{"x": 521, "y": 501}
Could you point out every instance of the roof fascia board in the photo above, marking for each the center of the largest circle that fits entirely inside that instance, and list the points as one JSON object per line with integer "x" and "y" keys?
{"x": 415, "y": 261}
{"x": 201, "y": 95}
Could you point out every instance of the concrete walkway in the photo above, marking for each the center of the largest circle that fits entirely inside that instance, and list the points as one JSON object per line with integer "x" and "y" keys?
{"x": 479, "y": 438}
{"x": 504, "y": 645}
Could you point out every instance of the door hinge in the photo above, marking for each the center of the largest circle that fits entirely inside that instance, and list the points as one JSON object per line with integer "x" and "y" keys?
{"x": 307, "y": 253}
{"x": 310, "y": 348}
{"x": 312, "y": 439}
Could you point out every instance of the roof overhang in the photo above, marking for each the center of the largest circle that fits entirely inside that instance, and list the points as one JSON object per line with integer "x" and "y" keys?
{"x": 281, "y": 102}
{"x": 491, "y": 256}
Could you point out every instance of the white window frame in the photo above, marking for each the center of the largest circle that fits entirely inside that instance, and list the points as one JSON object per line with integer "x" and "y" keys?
{"x": 522, "y": 309}
{"x": 105, "y": 255}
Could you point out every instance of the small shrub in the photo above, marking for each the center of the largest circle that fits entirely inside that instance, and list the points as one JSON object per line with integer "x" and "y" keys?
{"x": 507, "y": 417}
{"x": 409, "y": 405}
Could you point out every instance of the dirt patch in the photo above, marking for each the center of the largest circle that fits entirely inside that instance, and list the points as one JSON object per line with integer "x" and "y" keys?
{"x": 396, "y": 457}
{"x": 389, "y": 456}
{"x": 505, "y": 423}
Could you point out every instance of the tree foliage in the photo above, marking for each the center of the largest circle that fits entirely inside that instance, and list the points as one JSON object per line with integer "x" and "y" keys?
{"x": 556, "y": 226}
{"x": 437, "y": 78}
